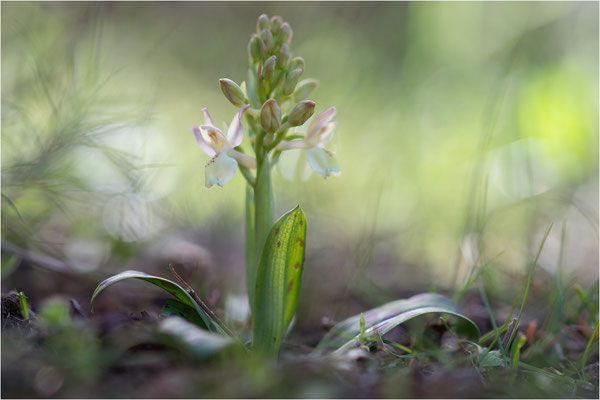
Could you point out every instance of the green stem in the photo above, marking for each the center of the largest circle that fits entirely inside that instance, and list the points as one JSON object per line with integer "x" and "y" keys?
{"x": 251, "y": 261}
{"x": 279, "y": 136}
{"x": 247, "y": 175}
{"x": 263, "y": 216}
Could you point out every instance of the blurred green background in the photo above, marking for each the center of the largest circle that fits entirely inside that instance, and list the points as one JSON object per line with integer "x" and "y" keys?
{"x": 464, "y": 129}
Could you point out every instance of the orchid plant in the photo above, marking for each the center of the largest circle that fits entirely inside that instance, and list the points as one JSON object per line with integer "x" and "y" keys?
{"x": 273, "y": 101}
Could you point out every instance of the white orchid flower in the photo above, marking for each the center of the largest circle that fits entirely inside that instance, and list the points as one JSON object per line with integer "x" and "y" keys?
{"x": 224, "y": 162}
{"x": 317, "y": 136}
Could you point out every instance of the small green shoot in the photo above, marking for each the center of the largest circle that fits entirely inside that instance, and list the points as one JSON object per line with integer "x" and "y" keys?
{"x": 24, "y": 307}
{"x": 515, "y": 354}
{"x": 362, "y": 336}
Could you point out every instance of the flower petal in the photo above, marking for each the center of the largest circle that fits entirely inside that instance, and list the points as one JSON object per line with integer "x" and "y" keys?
{"x": 203, "y": 141}
{"x": 319, "y": 122}
{"x": 207, "y": 119}
{"x": 235, "y": 133}
{"x": 326, "y": 134}
{"x": 322, "y": 161}
{"x": 219, "y": 170}
{"x": 290, "y": 162}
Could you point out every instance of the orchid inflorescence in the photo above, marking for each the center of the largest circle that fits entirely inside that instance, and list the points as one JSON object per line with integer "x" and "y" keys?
{"x": 273, "y": 100}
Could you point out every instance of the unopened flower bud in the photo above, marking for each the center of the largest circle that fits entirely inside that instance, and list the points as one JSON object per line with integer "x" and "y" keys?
{"x": 291, "y": 80}
{"x": 284, "y": 55}
{"x": 301, "y": 112}
{"x": 254, "y": 48}
{"x": 269, "y": 68}
{"x": 262, "y": 22}
{"x": 285, "y": 33}
{"x": 267, "y": 38}
{"x": 305, "y": 88}
{"x": 276, "y": 22}
{"x": 264, "y": 50}
{"x": 233, "y": 92}
{"x": 297, "y": 62}
{"x": 270, "y": 116}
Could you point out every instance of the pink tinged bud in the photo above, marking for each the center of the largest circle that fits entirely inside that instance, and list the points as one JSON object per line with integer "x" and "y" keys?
{"x": 270, "y": 116}
{"x": 267, "y": 38}
{"x": 305, "y": 88}
{"x": 297, "y": 62}
{"x": 284, "y": 56}
{"x": 262, "y": 22}
{"x": 269, "y": 68}
{"x": 285, "y": 33}
{"x": 232, "y": 92}
{"x": 254, "y": 48}
{"x": 291, "y": 80}
{"x": 301, "y": 112}
{"x": 259, "y": 71}
{"x": 264, "y": 50}
{"x": 276, "y": 22}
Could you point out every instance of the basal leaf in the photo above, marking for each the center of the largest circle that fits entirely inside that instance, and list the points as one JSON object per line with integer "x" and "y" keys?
{"x": 201, "y": 343}
{"x": 278, "y": 281}
{"x": 177, "y": 308}
{"x": 165, "y": 284}
{"x": 382, "y": 319}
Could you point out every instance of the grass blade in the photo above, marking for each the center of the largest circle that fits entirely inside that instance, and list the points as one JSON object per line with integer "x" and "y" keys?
{"x": 588, "y": 347}
{"x": 529, "y": 277}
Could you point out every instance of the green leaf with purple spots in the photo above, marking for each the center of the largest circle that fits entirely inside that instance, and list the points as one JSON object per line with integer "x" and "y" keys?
{"x": 278, "y": 281}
